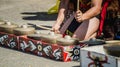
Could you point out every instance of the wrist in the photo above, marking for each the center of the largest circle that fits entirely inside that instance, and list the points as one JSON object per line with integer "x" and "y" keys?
{"x": 56, "y": 25}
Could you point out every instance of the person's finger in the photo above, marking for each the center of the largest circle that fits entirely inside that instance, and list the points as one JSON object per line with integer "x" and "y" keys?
{"x": 57, "y": 31}
{"x": 79, "y": 19}
{"x": 53, "y": 29}
{"x": 78, "y": 11}
{"x": 78, "y": 16}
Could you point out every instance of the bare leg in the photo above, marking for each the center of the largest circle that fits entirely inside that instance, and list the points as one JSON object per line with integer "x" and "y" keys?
{"x": 88, "y": 29}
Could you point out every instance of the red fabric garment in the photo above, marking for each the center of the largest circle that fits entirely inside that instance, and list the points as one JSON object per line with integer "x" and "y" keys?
{"x": 103, "y": 14}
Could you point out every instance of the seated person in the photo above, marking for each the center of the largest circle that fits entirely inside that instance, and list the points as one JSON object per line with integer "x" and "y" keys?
{"x": 80, "y": 23}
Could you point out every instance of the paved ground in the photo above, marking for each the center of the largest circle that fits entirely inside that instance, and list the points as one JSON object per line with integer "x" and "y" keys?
{"x": 23, "y": 12}
{"x": 32, "y": 11}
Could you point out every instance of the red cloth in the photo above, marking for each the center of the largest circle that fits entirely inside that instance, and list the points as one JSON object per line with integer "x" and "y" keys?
{"x": 103, "y": 15}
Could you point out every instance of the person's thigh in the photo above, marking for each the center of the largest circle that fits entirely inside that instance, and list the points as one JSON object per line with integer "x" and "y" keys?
{"x": 87, "y": 29}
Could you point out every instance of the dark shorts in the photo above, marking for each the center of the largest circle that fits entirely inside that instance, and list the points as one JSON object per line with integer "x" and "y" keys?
{"x": 74, "y": 25}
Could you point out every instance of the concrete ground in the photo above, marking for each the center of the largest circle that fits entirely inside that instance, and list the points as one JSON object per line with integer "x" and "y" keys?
{"x": 23, "y": 12}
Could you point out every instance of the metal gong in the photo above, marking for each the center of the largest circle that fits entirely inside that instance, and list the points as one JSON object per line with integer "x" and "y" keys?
{"x": 35, "y": 36}
{"x": 51, "y": 37}
{"x": 67, "y": 41}
{"x": 2, "y": 22}
{"x": 112, "y": 41}
{"x": 112, "y": 49}
{"x": 7, "y": 27}
{"x": 24, "y": 30}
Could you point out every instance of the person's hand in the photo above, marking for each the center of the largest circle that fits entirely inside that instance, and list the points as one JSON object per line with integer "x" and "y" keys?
{"x": 78, "y": 16}
{"x": 55, "y": 28}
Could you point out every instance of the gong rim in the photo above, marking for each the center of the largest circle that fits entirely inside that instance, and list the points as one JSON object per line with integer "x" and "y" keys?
{"x": 112, "y": 41}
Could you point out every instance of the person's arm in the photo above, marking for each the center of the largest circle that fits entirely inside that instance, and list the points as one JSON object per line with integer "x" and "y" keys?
{"x": 61, "y": 15}
{"x": 93, "y": 11}
{"x": 62, "y": 10}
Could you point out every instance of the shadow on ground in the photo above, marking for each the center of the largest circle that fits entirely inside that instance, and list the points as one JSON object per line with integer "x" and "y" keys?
{"x": 43, "y": 16}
